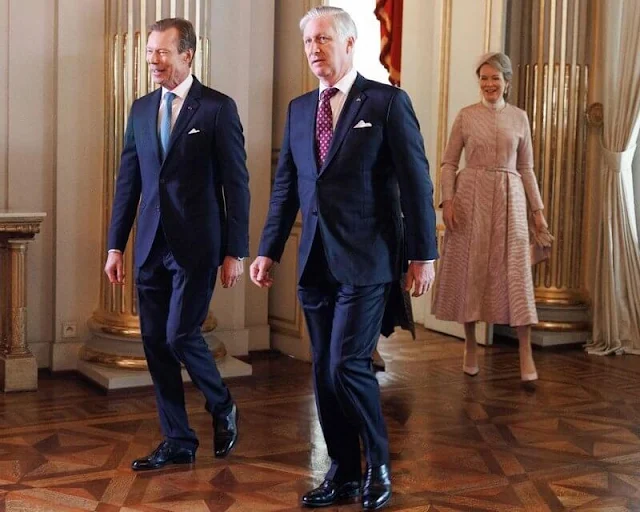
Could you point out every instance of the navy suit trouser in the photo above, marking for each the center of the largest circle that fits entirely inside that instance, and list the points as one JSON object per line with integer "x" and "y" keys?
{"x": 344, "y": 325}
{"x": 173, "y": 302}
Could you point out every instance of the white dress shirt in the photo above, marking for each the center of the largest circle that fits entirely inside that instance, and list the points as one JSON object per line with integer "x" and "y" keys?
{"x": 337, "y": 101}
{"x": 181, "y": 92}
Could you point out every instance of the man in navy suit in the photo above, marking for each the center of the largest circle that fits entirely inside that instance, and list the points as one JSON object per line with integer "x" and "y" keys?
{"x": 183, "y": 171}
{"x": 353, "y": 161}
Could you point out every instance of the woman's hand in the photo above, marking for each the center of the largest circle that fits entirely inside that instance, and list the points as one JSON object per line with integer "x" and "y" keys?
{"x": 448, "y": 215}
{"x": 539, "y": 221}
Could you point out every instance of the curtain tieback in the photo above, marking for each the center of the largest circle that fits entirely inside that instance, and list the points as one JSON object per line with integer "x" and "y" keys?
{"x": 618, "y": 161}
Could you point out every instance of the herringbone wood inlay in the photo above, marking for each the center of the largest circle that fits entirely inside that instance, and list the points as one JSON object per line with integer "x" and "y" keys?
{"x": 458, "y": 443}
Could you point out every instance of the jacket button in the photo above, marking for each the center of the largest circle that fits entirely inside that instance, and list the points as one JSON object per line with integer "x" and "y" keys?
{"x": 315, "y": 213}
{"x": 162, "y": 181}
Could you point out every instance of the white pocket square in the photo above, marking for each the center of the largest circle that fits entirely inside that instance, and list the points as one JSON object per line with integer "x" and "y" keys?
{"x": 192, "y": 131}
{"x": 362, "y": 124}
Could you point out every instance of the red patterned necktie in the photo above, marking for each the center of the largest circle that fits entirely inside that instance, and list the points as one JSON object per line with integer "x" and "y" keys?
{"x": 324, "y": 124}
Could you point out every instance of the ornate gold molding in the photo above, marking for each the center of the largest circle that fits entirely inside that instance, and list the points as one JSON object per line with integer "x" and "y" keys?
{"x": 553, "y": 86}
{"x": 443, "y": 103}
{"x": 595, "y": 115}
{"x": 22, "y": 229}
{"x": 291, "y": 326}
{"x": 129, "y": 362}
{"x": 488, "y": 8}
{"x": 128, "y": 326}
{"x": 562, "y": 326}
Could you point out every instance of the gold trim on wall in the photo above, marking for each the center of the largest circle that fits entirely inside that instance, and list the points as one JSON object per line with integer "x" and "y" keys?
{"x": 443, "y": 103}
{"x": 488, "y": 8}
{"x": 309, "y": 80}
{"x": 291, "y": 326}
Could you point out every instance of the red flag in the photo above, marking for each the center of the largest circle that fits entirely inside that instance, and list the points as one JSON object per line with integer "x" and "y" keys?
{"x": 389, "y": 13}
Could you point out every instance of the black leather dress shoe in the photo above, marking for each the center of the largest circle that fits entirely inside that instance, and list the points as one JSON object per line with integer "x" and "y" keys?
{"x": 376, "y": 491}
{"x": 330, "y": 492}
{"x": 225, "y": 430}
{"x": 166, "y": 453}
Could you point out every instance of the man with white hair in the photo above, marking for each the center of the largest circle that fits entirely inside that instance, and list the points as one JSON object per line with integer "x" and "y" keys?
{"x": 353, "y": 161}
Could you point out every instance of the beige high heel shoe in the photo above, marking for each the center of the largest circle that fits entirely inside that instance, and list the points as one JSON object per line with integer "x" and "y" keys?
{"x": 471, "y": 371}
{"x": 530, "y": 376}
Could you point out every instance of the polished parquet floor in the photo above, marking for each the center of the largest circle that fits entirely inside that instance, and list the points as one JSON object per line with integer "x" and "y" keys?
{"x": 458, "y": 443}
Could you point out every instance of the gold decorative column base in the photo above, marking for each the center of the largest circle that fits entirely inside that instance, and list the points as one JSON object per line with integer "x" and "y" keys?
{"x": 117, "y": 362}
{"x": 119, "y": 346}
{"x": 114, "y": 357}
{"x": 560, "y": 322}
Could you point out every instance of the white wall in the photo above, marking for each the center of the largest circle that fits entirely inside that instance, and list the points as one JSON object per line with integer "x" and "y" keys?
{"x": 437, "y": 96}
{"x": 51, "y": 62}
{"x": 242, "y": 49}
{"x": 79, "y": 134}
{"x": 367, "y": 50}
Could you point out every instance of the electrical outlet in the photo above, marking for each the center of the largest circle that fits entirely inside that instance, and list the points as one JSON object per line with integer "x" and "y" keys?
{"x": 69, "y": 329}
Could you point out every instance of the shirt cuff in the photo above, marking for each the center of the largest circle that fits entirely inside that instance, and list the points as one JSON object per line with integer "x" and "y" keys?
{"x": 115, "y": 250}
{"x": 422, "y": 261}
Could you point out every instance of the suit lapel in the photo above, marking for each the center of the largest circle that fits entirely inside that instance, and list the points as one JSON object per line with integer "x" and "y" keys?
{"x": 189, "y": 108}
{"x": 310, "y": 112}
{"x": 153, "y": 107}
{"x": 352, "y": 106}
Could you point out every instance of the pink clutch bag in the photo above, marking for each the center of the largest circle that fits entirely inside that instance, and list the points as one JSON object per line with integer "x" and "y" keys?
{"x": 539, "y": 253}
{"x": 540, "y": 246}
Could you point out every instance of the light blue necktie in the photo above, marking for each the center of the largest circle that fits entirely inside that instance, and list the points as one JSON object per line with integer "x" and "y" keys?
{"x": 165, "y": 126}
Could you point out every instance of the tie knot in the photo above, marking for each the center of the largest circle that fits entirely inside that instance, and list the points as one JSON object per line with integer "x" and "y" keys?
{"x": 169, "y": 97}
{"x": 329, "y": 93}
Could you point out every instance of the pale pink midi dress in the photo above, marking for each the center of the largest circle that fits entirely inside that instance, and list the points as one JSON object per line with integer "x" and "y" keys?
{"x": 485, "y": 271}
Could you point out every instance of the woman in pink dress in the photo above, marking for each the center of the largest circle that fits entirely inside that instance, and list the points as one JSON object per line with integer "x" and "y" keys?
{"x": 485, "y": 270}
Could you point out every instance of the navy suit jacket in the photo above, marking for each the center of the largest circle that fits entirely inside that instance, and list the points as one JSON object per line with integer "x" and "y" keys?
{"x": 371, "y": 177}
{"x": 199, "y": 194}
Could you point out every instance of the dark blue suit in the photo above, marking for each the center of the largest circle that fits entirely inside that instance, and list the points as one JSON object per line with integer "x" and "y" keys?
{"x": 353, "y": 246}
{"x": 193, "y": 210}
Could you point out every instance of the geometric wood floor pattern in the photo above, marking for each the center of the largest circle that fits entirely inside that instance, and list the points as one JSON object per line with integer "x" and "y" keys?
{"x": 458, "y": 443}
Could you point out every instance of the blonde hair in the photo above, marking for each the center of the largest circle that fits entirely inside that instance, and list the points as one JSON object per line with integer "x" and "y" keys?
{"x": 502, "y": 63}
{"x": 341, "y": 20}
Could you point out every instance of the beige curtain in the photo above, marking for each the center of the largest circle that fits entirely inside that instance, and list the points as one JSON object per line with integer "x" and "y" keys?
{"x": 616, "y": 294}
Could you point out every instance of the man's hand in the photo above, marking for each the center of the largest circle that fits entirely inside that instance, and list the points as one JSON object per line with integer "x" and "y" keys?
{"x": 449, "y": 215}
{"x": 230, "y": 271}
{"x": 420, "y": 276}
{"x": 114, "y": 268}
{"x": 259, "y": 272}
